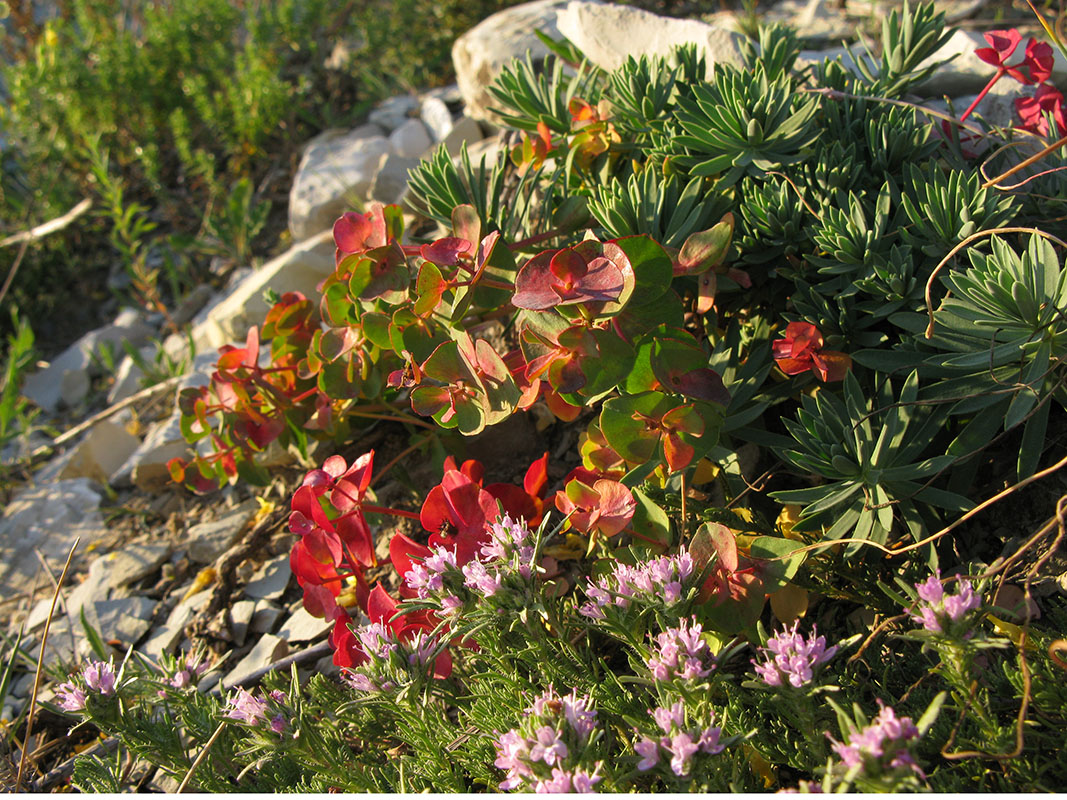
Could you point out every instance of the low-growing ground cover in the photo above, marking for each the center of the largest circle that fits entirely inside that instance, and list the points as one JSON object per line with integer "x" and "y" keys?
{"x": 805, "y": 336}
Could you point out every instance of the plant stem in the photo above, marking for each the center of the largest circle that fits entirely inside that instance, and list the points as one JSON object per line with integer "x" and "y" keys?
{"x": 394, "y": 418}
{"x": 396, "y": 512}
{"x": 541, "y": 237}
{"x": 981, "y": 95}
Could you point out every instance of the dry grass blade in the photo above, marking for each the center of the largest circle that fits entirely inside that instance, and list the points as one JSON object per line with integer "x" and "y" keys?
{"x": 202, "y": 755}
{"x": 40, "y": 666}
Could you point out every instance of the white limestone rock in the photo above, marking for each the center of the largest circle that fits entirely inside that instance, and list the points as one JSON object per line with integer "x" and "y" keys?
{"x": 126, "y": 619}
{"x": 47, "y": 519}
{"x": 436, "y": 117}
{"x": 240, "y": 617}
{"x": 134, "y": 562}
{"x": 209, "y": 540}
{"x": 303, "y": 627}
{"x": 608, "y": 33}
{"x": 265, "y": 618}
{"x": 265, "y": 652}
{"x": 301, "y": 268}
{"x": 337, "y": 167}
{"x": 464, "y": 131}
{"x": 172, "y": 631}
{"x": 270, "y": 580}
{"x": 101, "y": 453}
{"x": 481, "y": 53}
{"x": 391, "y": 182}
{"x": 66, "y": 380}
{"x": 146, "y": 467}
{"x": 410, "y": 140}
{"x": 391, "y": 113}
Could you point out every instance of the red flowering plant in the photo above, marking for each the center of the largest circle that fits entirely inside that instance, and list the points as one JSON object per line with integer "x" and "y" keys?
{"x": 801, "y": 350}
{"x": 1035, "y": 67}
{"x": 1035, "y": 112}
{"x": 247, "y": 404}
{"x": 457, "y": 515}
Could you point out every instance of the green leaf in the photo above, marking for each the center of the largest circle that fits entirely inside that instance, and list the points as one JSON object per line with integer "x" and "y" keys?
{"x": 781, "y": 560}
{"x": 650, "y": 523}
{"x": 96, "y": 643}
{"x": 652, "y": 267}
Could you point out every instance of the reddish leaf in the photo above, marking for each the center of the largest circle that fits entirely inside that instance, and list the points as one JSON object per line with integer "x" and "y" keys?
{"x": 536, "y": 480}
{"x": 447, "y": 252}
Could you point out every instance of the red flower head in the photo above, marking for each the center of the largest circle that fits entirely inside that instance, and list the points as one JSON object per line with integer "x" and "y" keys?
{"x": 801, "y": 350}
{"x": 1002, "y": 45}
{"x": 1037, "y": 62}
{"x": 1032, "y": 110}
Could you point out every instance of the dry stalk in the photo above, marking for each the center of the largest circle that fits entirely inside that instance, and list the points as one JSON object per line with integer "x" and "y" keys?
{"x": 202, "y": 755}
{"x": 40, "y": 668}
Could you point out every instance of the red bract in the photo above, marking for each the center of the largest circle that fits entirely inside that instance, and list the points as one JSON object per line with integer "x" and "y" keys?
{"x": 579, "y": 274}
{"x": 382, "y": 609}
{"x": 357, "y": 233}
{"x": 1037, "y": 62}
{"x": 801, "y": 350}
{"x": 1032, "y": 110}
{"x": 606, "y": 506}
{"x": 457, "y": 511}
{"x": 346, "y": 487}
{"x": 1001, "y": 46}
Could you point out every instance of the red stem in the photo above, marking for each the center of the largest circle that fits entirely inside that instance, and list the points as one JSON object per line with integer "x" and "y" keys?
{"x": 396, "y": 512}
{"x": 541, "y": 237}
{"x": 304, "y": 395}
{"x": 1001, "y": 71}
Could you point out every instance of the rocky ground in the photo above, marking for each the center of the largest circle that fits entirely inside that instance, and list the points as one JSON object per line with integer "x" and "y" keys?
{"x": 160, "y": 570}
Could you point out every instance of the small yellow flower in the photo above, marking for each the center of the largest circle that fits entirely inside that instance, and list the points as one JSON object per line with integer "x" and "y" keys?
{"x": 787, "y": 518}
{"x": 204, "y": 578}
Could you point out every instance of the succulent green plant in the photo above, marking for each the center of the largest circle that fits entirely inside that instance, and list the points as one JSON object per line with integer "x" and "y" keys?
{"x": 871, "y": 451}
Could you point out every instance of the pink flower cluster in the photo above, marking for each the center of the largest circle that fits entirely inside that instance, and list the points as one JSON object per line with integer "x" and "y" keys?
{"x": 509, "y": 542}
{"x": 508, "y": 552}
{"x": 882, "y": 745}
{"x": 428, "y": 577}
{"x": 793, "y": 659}
{"x": 542, "y": 753}
{"x": 940, "y": 612}
{"x": 191, "y": 670}
{"x": 247, "y": 708}
{"x": 679, "y": 744}
{"x": 99, "y": 678}
{"x": 659, "y": 582}
{"x": 380, "y": 672}
{"x": 681, "y": 653}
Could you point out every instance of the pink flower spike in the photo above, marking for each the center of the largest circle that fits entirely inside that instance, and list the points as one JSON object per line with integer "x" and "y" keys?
{"x": 100, "y": 677}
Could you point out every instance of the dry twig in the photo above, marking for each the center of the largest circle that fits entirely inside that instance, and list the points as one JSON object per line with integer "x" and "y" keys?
{"x": 40, "y": 667}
